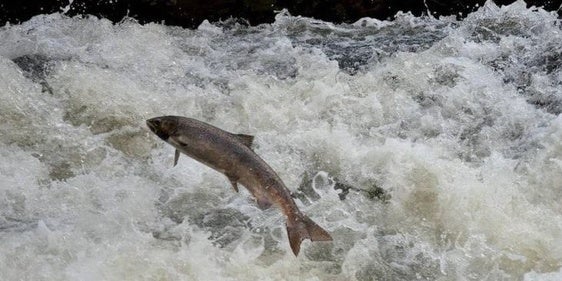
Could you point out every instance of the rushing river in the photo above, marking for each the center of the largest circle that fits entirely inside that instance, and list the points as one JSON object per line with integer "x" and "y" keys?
{"x": 431, "y": 149}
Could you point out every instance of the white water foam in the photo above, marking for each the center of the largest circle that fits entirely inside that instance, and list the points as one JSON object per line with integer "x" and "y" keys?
{"x": 444, "y": 134}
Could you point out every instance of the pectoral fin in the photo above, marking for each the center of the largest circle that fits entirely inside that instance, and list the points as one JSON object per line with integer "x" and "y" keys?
{"x": 176, "y": 157}
{"x": 233, "y": 181}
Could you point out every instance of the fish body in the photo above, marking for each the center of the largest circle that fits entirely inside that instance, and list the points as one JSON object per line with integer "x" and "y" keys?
{"x": 231, "y": 155}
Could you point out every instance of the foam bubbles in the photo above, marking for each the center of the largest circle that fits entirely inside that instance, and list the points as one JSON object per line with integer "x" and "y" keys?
{"x": 429, "y": 148}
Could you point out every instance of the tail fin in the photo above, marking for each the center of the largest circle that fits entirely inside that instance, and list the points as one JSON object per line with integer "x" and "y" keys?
{"x": 302, "y": 227}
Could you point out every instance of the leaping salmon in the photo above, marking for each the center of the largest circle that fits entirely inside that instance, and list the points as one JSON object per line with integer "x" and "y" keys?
{"x": 231, "y": 155}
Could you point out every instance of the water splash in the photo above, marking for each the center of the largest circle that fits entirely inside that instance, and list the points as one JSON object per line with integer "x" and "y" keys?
{"x": 454, "y": 124}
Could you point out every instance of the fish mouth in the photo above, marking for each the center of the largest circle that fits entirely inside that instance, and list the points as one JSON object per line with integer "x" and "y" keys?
{"x": 155, "y": 125}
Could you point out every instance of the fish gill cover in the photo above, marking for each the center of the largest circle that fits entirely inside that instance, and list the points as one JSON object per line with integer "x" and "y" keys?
{"x": 429, "y": 148}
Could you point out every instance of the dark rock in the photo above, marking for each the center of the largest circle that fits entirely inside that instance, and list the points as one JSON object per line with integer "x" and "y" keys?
{"x": 306, "y": 193}
{"x": 36, "y": 68}
{"x": 190, "y": 13}
{"x": 351, "y": 10}
{"x": 19, "y": 11}
{"x": 225, "y": 225}
{"x": 8, "y": 224}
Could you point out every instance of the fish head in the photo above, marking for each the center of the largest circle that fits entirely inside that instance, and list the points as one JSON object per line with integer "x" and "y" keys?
{"x": 163, "y": 127}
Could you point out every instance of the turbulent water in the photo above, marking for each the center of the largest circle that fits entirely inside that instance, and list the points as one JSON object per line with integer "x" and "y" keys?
{"x": 431, "y": 149}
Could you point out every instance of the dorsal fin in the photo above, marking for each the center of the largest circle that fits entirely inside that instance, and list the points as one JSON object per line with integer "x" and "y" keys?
{"x": 247, "y": 140}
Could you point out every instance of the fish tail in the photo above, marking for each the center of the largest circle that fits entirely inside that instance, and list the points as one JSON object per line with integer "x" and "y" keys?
{"x": 302, "y": 227}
